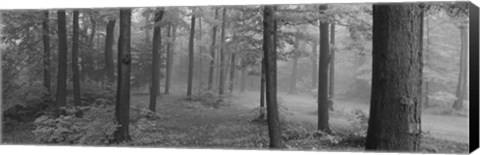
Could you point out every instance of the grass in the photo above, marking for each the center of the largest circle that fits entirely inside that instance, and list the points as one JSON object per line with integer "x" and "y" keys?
{"x": 191, "y": 124}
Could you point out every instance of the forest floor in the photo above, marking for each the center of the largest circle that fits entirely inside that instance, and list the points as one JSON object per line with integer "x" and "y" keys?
{"x": 190, "y": 124}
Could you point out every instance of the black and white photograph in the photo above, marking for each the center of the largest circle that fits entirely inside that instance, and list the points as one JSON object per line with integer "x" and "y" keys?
{"x": 317, "y": 77}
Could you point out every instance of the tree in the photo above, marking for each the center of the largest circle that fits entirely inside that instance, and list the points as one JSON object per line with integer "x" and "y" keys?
{"x": 293, "y": 79}
{"x": 62, "y": 60}
{"x": 314, "y": 63}
{"x": 157, "y": 44}
{"x": 232, "y": 71}
{"x": 46, "y": 51}
{"x": 274, "y": 130}
{"x": 75, "y": 70}
{"x": 191, "y": 56}
{"x": 212, "y": 53}
{"x": 331, "y": 85}
{"x": 394, "y": 122}
{"x": 108, "y": 49}
{"x": 462, "y": 76}
{"x": 170, "y": 50}
{"x": 221, "y": 84}
{"x": 323, "y": 75}
{"x": 123, "y": 88}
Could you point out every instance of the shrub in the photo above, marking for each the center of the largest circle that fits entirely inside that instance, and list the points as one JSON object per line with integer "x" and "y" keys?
{"x": 96, "y": 127}
{"x": 98, "y": 92}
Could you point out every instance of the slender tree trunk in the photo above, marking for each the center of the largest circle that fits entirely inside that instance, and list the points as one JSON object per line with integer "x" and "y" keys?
{"x": 76, "y": 76}
{"x": 314, "y": 63}
{"x": 331, "y": 85}
{"x": 109, "y": 50}
{"x": 232, "y": 72}
{"x": 427, "y": 61}
{"x": 221, "y": 85}
{"x": 243, "y": 78}
{"x": 262, "y": 89}
{"x": 191, "y": 56}
{"x": 323, "y": 76}
{"x": 395, "y": 108}
{"x": 93, "y": 32}
{"x": 169, "y": 57}
{"x": 146, "y": 30}
{"x": 200, "y": 64}
{"x": 157, "y": 44}
{"x": 462, "y": 76}
{"x": 46, "y": 52}
{"x": 62, "y": 60}
{"x": 274, "y": 129}
{"x": 123, "y": 88}
{"x": 212, "y": 53}
{"x": 293, "y": 78}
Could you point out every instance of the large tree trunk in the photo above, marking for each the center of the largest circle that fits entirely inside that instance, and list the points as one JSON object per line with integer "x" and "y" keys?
{"x": 109, "y": 50}
{"x": 395, "y": 107}
{"x": 293, "y": 79}
{"x": 232, "y": 72}
{"x": 157, "y": 44}
{"x": 190, "y": 57}
{"x": 274, "y": 130}
{"x": 62, "y": 60}
{"x": 212, "y": 53}
{"x": 221, "y": 85}
{"x": 426, "y": 62}
{"x": 123, "y": 88}
{"x": 462, "y": 76}
{"x": 331, "y": 80}
{"x": 75, "y": 70}
{"x": 314, "y": 63}
{"x": 46, "y": 52}
{"x": 323, "y": 76}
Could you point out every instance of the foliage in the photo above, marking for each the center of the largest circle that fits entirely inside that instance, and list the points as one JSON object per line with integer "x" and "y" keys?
{"x": 98, "y": 92}
{"x": 96, "y": 127}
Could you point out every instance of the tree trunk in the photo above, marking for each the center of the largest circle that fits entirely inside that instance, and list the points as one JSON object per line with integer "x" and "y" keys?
{"x": 331, "y": 85}
{"x": 395, "y": 107}
{"x": 123, "y": 88}
{"x": 221, "y": 85}
{"x": 314, "y": 63}
{"x": 232, "y": 72}
{"x": 323, "y": 76}
{"x": 262, "y": 89}
{"x": 76, "y": 76}
{"x": 212, "y": 53}
{"x": 200, "y": 53}
{"x": 46, "y": 52}
{"x": 462, "y": 76}
{"x": 170, "y": 45}
{"x": 427, "y": 61}
{"x": 157, "y": 44}
{"x": 62, "y": 60}
{"x": 293, "y": 79}
{"x": 190, "y": 57}
{"x": 243, "y": 78}
{"x": 109, "y": 50}
{"x": 274, "y": 130}
{"x": 146, "y": 30}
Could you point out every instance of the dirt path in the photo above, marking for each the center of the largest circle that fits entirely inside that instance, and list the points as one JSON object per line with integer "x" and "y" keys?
{"x": 303, "y": 108}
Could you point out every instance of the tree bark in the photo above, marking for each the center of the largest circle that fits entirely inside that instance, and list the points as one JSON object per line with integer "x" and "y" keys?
{"x": 123, "y": 88}
{"x": 395, "y": 108}
{"x": 157, "y": 44}
{"x": 200, "y": 52}
{"x": 190, "y": 57}
{"x": 274, "y": 130}
{"x": 462, "y": 76}
{"x": 314, "y": 63}
{"x": 212, "y": 53}
{"x": 109, "y": 50}
{"x": 75, "y": 70}
{"x": 46, "y": 52}
{"x": 243, "y": 78}
{"x": 62, "y": 60}
{"x": 323, "y": 76}
{"x": 221, "y": 85}
{"x": 293, "y": 78}
{"x": 427, "y": 61}
{"x": 331, "y": 85}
